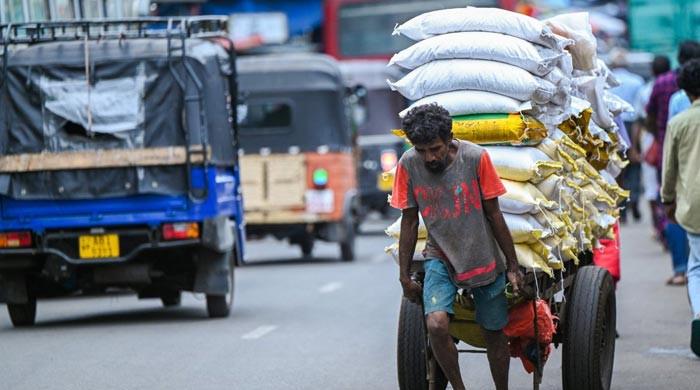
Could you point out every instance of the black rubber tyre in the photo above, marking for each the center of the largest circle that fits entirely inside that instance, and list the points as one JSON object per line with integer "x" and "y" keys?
{"x": 171, "y": 299}
{"x": 219, "y": 306}
{"x": 22, "y": 314}
{"x": 589, "y": 331}
{"x": 307, "y": 246}
{"x": 347, "y": 245}
{"x": 411, "y": 350}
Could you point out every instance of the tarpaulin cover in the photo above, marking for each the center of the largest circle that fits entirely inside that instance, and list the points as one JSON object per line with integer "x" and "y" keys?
{"x": 127, "y": 98}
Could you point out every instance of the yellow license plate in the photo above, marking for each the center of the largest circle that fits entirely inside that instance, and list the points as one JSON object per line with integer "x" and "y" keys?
{"x": 385, "y": 182}
{"x": 103, "y": 246}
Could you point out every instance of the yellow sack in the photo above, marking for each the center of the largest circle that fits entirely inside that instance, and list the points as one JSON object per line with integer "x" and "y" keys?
{"x": 495, "y": 129}
{"x": 522, "y": 164}
{"x": 528, "y": 259}
{"x": 393, "y": 250}
{"x": 524, "y": 228}
{"x": 523, "y": 197}
{"x": 394, "y": 230}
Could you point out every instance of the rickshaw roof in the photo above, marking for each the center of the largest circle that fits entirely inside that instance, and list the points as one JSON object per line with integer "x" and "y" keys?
{"x": 297, "y": 71}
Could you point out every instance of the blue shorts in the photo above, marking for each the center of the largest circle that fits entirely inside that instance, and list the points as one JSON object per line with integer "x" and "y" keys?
{"x": 439, "y": 295}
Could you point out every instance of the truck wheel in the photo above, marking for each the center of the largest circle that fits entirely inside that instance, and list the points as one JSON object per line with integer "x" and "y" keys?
{"x": 22, "y": 314}
{"x": 589, "y": 331}
{"x": 171, "y": 299}
{"x": 411, "y": 351}
{"x": 219, "y": 306}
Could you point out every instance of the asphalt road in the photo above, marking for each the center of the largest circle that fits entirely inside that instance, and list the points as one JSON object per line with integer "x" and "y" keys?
{"x": 318, "y": 324}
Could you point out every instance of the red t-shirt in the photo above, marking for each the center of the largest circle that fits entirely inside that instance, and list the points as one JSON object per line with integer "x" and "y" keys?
{"x": 451, "y": 206}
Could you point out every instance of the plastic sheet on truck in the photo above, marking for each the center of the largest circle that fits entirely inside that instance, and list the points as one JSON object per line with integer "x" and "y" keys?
{"x": 127, "y": 97}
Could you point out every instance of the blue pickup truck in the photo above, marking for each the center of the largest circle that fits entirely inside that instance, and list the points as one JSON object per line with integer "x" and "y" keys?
{"x": 118, "y": 161}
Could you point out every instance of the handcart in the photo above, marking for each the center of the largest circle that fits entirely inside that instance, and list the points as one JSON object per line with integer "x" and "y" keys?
{"x": 582, "y": 300}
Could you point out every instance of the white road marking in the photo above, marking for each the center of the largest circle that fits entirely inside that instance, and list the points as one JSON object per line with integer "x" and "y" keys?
{"x": 259, "y": 332}
{"x": 330, "y": 287}
{"x": 682, "y": 352}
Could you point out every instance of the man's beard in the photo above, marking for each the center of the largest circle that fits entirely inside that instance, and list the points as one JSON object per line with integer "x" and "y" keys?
{"x": 436, "y": 166}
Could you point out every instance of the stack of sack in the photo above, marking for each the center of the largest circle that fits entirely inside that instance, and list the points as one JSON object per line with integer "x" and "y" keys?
{"x": 535, "y": 96}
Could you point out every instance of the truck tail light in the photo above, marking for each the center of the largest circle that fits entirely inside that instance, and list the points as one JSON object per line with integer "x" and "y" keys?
{"x": 180, "y": 231}
{"x": 15, "y": 240}
{"x": 388, "y": 160}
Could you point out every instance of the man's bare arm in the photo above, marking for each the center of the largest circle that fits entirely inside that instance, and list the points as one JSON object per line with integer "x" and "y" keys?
{"x": 407, "y": 247}
{"x": 505, "y": 241}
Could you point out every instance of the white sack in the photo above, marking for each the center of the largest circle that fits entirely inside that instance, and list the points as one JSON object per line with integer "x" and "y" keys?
{"x": 478, "y": 45}
{"x": 480, "y": 19}
{"x": 577, "y": 27}
{"x": 472, "y": 102}
{"x": 592, "y": 88}
{"x": 452, "y": 75}
{"x": 616, "y": 105}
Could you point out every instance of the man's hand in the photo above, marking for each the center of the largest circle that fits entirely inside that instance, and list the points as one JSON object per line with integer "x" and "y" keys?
{"x": 412, "y": 290}
{"x": 670, "y": 210}
{"x": 515, "y": 277}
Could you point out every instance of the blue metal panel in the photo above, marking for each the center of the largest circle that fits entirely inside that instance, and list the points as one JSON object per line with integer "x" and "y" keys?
{"x": 38, "y": 215}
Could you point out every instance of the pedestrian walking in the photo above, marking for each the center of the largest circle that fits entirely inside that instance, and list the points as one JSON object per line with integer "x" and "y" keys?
{"x": 658, "y": 111}
{"x": 649, "y": 174}
{"x": 681, "y": 183}
{"x": 455, "y": 188}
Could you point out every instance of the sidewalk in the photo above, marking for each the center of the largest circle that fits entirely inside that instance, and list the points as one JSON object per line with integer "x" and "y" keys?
{"x": 653, "y": 319}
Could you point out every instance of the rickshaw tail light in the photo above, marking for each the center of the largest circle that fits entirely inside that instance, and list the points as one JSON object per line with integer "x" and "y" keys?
{"x": 180, "y": 231}
{"x": 388, "y": 160}
{"x": 15, "y": 240}
{"x": 320, "y": 177}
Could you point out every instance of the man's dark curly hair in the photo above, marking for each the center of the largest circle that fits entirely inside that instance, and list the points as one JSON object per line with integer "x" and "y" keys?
{"x": 423, "y": 124}
{"x": 689, "y": 78}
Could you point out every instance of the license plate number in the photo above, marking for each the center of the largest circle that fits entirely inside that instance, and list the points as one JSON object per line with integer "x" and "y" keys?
{"x": 319, "y": 201}
{"x": 103, "y": 246}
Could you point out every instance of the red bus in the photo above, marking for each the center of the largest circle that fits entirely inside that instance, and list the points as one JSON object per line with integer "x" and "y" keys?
{"x": 361, "y": 29}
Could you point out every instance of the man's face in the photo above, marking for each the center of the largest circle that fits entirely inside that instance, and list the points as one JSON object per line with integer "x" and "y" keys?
{"x": 435, "y": 154}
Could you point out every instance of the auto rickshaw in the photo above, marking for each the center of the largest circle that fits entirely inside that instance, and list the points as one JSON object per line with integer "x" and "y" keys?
{"x": 378, "y": 150}
{"x": 297, "y": 161}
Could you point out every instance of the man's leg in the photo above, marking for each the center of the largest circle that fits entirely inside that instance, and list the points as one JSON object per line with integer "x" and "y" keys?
{"x": 694, "y": 290}
{"x": 492, "y": 315}
{"x": 444, "y": 348}
{"x": 498, "y": 355}
{"x": 438, "y": 298}
{"x": 677, "y": 240}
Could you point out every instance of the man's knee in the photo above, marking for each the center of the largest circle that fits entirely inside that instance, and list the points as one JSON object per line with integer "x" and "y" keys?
{"x": 438, "y": 324}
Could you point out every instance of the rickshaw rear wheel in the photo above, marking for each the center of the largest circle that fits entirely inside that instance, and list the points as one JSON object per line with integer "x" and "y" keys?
{"x": 307, "y": 246}
{"x": 347, "y": 243}
{"x": 412, "y": 353}
{"x": 589, "y": 331}
{"x": 171, "y": 298}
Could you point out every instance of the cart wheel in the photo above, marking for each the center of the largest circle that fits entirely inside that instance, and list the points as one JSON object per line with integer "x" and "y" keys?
{"x": 589, "y": 331}
{"x": 219, "y": 306}
{"x": 411, "y": 351}
{"x": 22, "y": 314}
